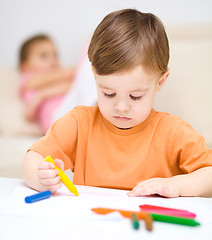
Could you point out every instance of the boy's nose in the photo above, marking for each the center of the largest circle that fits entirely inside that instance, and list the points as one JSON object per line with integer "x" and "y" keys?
{"x": 122, "y": 106}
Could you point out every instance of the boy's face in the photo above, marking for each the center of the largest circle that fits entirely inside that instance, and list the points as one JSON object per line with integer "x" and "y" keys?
{"x": 125, "y": 99}
{"x": 42, "y": 57}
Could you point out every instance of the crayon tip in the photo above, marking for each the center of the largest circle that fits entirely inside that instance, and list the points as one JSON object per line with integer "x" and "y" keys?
{"x": 148, "y": 222}
{"x": 135, "y": 221}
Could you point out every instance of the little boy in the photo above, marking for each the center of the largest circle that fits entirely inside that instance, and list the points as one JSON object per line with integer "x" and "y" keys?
{"x": 123, "y": 143}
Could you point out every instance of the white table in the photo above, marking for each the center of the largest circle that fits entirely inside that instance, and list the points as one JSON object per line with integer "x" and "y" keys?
{"x": 64, "y": 216}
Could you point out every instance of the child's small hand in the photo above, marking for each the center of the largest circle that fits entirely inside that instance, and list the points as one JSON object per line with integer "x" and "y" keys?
{"x": 162, "y": 186}
{"x": 48, "y": 175}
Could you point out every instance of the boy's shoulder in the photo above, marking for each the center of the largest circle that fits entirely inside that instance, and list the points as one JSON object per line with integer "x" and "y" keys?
{"x": 85, "y": 109}
{"x": 169, "y": 119}
{"x": 168, "y": 116}
{"x": 83, "y": 113}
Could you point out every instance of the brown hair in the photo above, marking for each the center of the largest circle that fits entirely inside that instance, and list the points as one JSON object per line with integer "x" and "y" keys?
{"x": 127, "y": 38}
{"x": 26, "y": 46}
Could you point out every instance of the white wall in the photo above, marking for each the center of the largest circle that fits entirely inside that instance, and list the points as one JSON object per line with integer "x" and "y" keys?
{"x": 70, "y": 22}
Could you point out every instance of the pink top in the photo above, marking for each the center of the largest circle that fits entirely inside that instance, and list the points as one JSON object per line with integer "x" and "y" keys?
{"x": 47, "y": 108}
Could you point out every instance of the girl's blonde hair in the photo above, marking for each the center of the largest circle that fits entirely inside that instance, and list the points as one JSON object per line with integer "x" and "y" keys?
{"x": 127, "y": 38}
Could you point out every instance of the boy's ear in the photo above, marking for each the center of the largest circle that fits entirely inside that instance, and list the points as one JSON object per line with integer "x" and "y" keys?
{"x": 162, "y": 80}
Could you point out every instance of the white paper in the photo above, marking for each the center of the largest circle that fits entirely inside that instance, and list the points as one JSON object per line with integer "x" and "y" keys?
{"x": 66, "y": 214}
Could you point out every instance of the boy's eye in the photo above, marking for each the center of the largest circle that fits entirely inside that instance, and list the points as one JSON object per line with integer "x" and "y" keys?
{"x": 110, "y": 95}
{"x": 135, "y": 98}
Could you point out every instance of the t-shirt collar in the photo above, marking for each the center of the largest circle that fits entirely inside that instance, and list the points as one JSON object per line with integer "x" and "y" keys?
{"x": 129, "y": 131}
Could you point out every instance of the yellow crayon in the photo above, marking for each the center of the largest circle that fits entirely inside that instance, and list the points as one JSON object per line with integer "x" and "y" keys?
{"x": 64, "y": 179}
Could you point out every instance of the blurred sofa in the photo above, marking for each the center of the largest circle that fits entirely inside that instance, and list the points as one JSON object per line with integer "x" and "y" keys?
{"x": 16, "y": 134}
{"x": 187, "y": 93}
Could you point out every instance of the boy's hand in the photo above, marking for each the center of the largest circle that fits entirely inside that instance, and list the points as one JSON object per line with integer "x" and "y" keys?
{"x": 162, "y": 186}
{"x": 48, "y": 175}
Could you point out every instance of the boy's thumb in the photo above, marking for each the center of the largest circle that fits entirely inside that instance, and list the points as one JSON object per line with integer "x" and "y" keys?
{"x": 59, "y": 163}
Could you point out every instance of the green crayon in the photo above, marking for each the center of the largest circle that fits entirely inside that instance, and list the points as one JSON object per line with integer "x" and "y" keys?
{"x": 135, "y": 221}
{"x": 176, "y": 220}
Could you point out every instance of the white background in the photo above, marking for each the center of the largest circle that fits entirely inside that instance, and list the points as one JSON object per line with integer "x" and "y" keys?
{"x": 71, "y": 22}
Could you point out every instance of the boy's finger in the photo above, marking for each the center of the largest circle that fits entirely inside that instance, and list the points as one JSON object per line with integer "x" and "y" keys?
{"x": 43, "y": 173}
{"x": 54, "y": 188}
{"x": 51, "y": 188}
{"x": 46, "y": 165}
{"x": 134, "y": 193}
{"x": 143, "y": 191}
{"x": 50, "y": 181}
{"x": 131, "y": 194}
{"x": 59, "y": 163}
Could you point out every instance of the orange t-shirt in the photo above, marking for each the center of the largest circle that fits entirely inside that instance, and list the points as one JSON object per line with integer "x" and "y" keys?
{"x": 102, "y": 155}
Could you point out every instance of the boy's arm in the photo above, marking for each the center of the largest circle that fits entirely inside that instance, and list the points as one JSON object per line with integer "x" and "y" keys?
{"x": 39, "y": 174}
{"x": 197, "y": 183}
{"x": 47, "y": 79}
{"x": 189, "y": 150}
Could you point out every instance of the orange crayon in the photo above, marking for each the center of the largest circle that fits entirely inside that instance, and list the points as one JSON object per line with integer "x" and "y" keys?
{"x": 141, "y": 215}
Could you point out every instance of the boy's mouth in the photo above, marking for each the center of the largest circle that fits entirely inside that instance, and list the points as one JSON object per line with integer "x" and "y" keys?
{"x": 122, "y": 118}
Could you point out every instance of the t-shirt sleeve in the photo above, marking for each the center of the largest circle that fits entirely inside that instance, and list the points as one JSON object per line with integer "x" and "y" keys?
{"x": 60, "y": 140}
{"x": 190, "y": 150}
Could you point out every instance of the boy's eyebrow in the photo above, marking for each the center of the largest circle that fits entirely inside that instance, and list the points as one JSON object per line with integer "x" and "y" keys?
{"x": 105, "y": 87}
{"x": 136, "y": 90}
{"x": 140, "y": 90}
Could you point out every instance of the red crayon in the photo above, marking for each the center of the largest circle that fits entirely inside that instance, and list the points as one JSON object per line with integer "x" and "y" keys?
{"x": 167, "y": 211}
